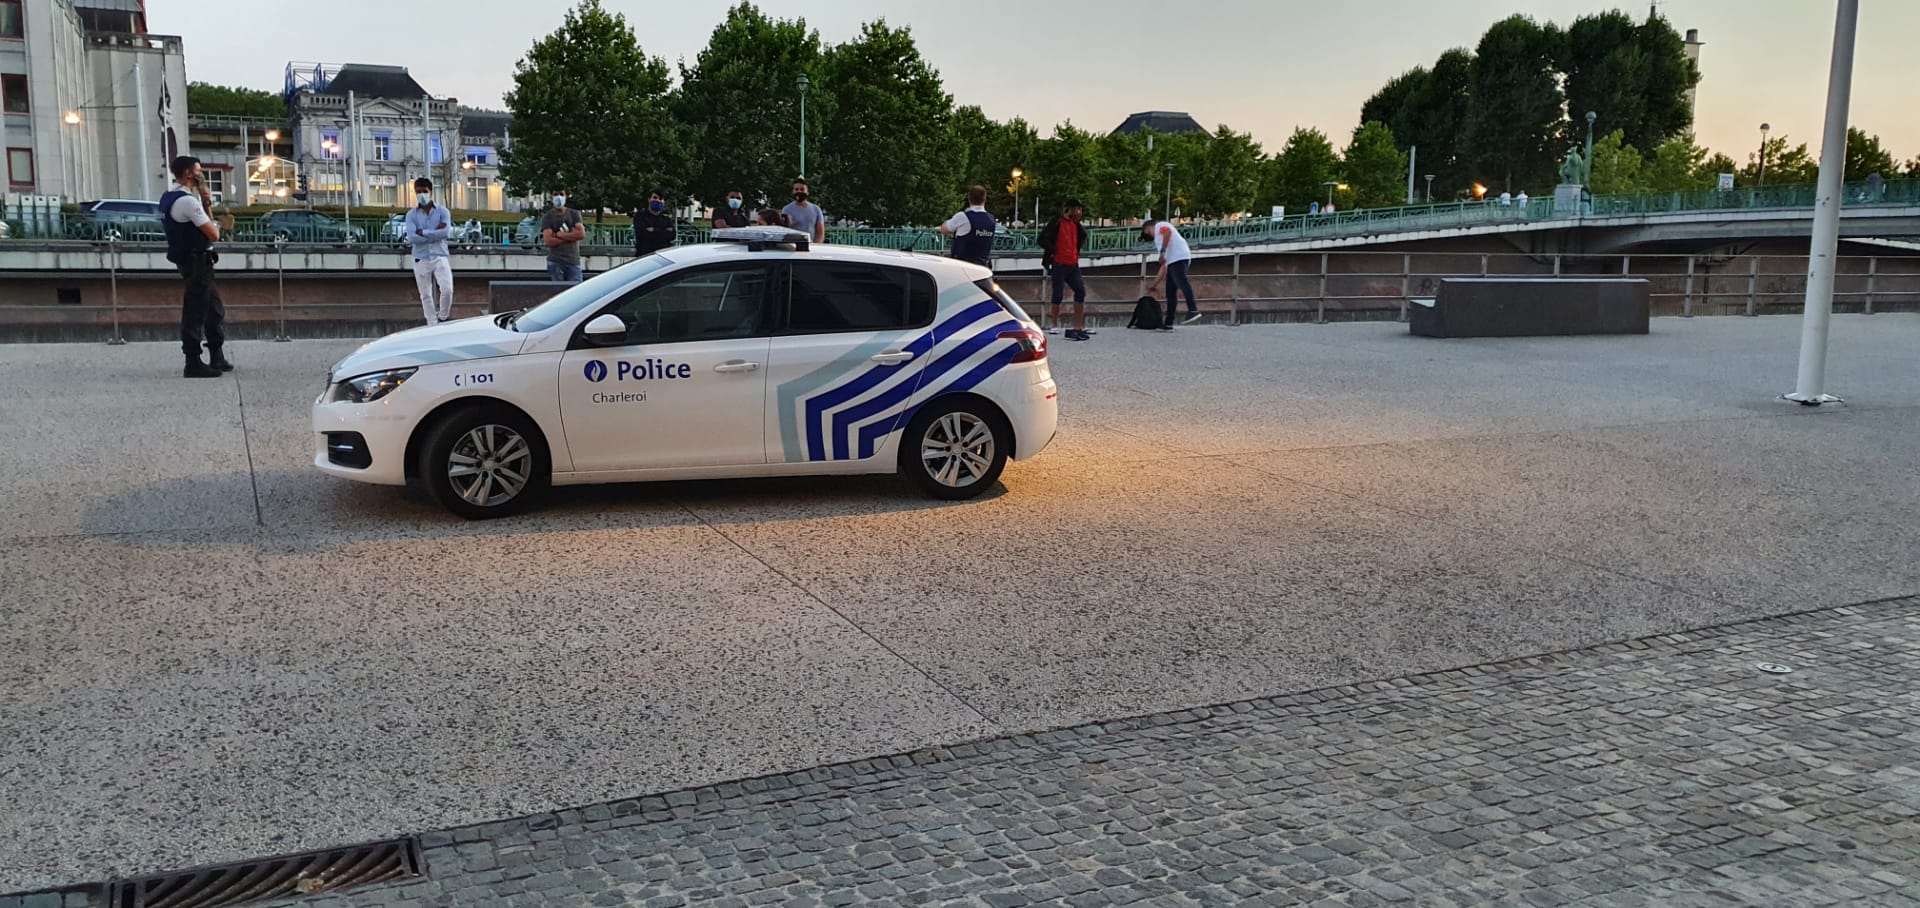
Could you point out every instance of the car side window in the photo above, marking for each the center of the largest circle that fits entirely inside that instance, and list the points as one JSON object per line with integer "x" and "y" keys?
{"x": 719, "y": 303}
{"x": 843, "y": 296}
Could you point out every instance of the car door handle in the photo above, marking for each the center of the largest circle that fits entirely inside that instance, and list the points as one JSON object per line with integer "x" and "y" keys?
{"x": 892, "y": 358}
{"x": 736, "y": 366}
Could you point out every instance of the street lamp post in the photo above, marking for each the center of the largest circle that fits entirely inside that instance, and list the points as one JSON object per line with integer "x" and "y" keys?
{"x": 1591, "y": 116}
{"x": 1763, "y": 154}
{"x": 1169, "y": 211}
{"x": 801, "y": 82}
{"x": 1016, "y": 195}
{"x": 1336, "y": 184}
{"x": 1429, "y": 189}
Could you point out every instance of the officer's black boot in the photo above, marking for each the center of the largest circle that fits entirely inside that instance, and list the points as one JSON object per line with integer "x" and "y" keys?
{"x": 197, "y": 369}
{"x": 217, "y": 358}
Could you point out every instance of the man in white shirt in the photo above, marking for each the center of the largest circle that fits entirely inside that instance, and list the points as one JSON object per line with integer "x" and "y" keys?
{"x": 1174, "y": 259}
{"x": 973, "y": 229}
{"x": 428, "y": 226}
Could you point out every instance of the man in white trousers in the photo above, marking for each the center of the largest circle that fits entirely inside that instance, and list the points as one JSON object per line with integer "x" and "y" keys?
{"x": 428, "y": 225}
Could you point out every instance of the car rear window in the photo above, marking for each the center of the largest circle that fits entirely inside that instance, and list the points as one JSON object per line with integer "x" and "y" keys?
{"x": 1000, "y": 296}
{"x": 847, "y": 296}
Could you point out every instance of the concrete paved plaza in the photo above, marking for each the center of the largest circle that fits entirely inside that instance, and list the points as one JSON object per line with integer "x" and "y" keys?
{"x": 212, "y": 652}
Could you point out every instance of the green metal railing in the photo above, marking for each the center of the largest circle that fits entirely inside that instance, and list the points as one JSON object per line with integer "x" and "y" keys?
{"x": 376, "y": 230}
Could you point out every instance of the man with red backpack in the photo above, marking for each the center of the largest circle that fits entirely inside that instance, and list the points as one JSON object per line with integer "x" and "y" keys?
{"x": 1060, "y": 244}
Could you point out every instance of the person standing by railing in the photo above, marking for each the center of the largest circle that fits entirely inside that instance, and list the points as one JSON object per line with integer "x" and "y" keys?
{"x": 428, "y": 225}
{"x": 561, "y": 229}
{"x": 1175, "y": 258}
{"x": 973, "y": 229}
{"x": 653, "y": 229}
{"x": 1060, "y": 244}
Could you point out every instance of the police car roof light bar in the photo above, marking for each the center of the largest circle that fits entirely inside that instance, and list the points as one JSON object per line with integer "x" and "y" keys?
{"x": 760, "y": 239}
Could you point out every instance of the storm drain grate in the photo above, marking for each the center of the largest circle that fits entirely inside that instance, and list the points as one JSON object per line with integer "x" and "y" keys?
{"x": 311, "y": 873}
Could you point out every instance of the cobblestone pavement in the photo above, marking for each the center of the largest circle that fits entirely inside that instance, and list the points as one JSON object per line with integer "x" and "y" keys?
{"x": 1666, "y": 771}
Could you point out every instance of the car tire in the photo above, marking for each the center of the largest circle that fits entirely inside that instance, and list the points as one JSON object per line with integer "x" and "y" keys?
{"x": 954, "y": 449}
{"x": 281, "y": 236}
{"x": 468, "y": 462}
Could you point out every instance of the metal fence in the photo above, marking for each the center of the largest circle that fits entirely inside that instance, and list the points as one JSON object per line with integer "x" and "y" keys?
{"x": 1324, "y": 286}
{"x": 378, "y": 228}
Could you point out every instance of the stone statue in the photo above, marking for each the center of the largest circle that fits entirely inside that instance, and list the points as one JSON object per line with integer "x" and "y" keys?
{"x": 1573, "y": 169}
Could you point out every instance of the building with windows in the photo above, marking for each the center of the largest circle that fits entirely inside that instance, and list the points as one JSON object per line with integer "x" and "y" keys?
{"x": 484, "y": 134}
{"x": 363, "y": 133}
{"x": 91, "y": 105}
{"x": 247, "y": 160}
{"x": 1164, "y": 122}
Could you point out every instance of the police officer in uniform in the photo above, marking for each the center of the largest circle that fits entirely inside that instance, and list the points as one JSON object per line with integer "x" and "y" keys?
{"x": 973, "y": 229}
{"x": 190, "y": 238}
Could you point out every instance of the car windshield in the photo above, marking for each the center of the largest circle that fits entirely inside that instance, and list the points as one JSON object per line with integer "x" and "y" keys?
{"x": 570, "y": 301}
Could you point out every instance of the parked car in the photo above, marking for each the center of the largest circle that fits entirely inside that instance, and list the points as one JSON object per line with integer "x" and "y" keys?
{"x": 463, "y": 233}
{"x": 130, "y": 220}
{"x": 298, "y": 225}
{"x": 754, "y": 356}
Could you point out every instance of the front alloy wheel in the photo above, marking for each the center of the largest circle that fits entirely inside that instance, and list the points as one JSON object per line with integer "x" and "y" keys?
{"x": 489, "y": 465}
{"x": 484, "y": 461}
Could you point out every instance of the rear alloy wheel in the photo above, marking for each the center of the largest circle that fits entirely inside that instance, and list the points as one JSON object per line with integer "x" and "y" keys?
{"x": 955, "y": 450}
{"x": 485, "y": 462}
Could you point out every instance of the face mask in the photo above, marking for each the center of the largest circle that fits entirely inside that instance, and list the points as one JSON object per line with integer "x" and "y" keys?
{"x": 559, "y": 201}
{"x": 799, "y": 196}
{"x": 424, "y": 199}
{"x": 656, "y": 206}
{"x": 733, "y": 203}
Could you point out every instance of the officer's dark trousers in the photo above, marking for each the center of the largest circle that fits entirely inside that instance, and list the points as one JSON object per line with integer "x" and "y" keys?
{"x": 203, "y": 316}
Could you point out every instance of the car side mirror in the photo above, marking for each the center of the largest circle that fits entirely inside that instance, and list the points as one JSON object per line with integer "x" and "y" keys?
{"x": 606, "y": 331}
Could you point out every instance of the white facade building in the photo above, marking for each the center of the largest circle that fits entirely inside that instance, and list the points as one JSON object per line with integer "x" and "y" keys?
{"x": 93, "y": 106}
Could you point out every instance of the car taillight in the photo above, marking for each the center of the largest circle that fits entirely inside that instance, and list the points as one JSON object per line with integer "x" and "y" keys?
{"x": 1033, "y": 344}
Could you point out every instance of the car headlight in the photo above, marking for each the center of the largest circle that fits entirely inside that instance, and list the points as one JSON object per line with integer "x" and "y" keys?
{"x": 373, "y": 386}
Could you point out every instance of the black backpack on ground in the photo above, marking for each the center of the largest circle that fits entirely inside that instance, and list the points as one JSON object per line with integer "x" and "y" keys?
{"x": 1146, "y": 314}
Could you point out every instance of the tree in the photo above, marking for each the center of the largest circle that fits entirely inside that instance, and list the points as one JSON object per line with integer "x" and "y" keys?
{"x": 742, "y": 109}
{"x": 1785, "y": 166}
{"x": 1677, "y": 165}
{"x": 1865, "y": 156}
{"x": 1913, "y": 167}
{"x": 1515, "y": 124}
{"x": 1376, "y": 168}
{"x": 1122, "y": 171}
{"x": 1636, "y": 77}
{"x": 1426, "y": 109}
{"x": 1708, "y": 174}
{"x": 1616, "y": 166}
{"x": 1296, "y": 177}
{"x": 990, "y": 153}
{"x": 204, "y": 100}
{"x": 1226, "y": 177}
{"x": 1397, "y": 103}
{"x": 1067, "y": 165}
{"x": 888, "y": 155}
{"x": 591, "y": 114}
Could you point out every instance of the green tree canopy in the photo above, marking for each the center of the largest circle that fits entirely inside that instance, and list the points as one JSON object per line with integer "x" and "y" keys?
{"x": 591, "y": 114}
{"x": 1785, "y": 166}
{"x": 1865, "y": 156}
{"x": 1635, "y": 76}
{"x": 991, "y": 151}
{"x": 1616, "y": 166}
{"x": 1296, "y": 176}
{"x": 1067, "y": 164}
{"x": 1226, "y": 175}
{"x": 888, "y": 154}
{"x": 233, "y": 101}
{"x": 742, "y": 108}
{"x": 1376, "y": 168}
{"x": 1678, "y": 165}
{"x": 1122, "y": 172}
{"x": 1515, "y": 124}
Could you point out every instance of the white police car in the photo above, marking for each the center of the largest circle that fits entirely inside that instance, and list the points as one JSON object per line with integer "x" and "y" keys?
{"x": 754, "y": 356}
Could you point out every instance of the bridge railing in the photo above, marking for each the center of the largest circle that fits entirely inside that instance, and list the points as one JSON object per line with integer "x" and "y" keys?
{"x": 378, "y": 229}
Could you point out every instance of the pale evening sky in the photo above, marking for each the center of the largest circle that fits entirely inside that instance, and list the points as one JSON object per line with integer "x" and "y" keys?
{"x": 1262, "y": 66}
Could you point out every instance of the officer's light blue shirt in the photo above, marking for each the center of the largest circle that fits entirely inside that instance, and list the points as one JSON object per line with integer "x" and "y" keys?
{"x": 434, "y": 224}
